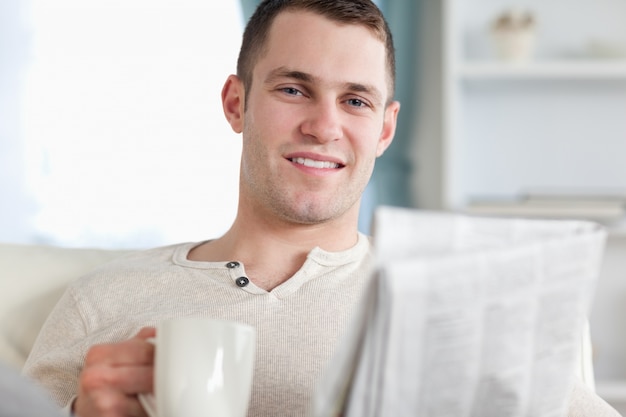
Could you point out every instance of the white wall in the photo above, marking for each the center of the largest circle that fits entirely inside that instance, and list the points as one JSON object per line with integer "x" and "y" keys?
{"x": 111, "y": 129}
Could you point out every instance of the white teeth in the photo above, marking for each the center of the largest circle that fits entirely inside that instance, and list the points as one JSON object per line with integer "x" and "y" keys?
{"x": 315, "y": 164}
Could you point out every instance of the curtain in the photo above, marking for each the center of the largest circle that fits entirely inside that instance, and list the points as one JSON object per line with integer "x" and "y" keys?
{"x": 391, "y": 182}
{"x": 247, "y": 7}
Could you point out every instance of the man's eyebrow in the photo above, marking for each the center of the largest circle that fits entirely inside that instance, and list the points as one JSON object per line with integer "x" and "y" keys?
{"x": 283, "y": 72}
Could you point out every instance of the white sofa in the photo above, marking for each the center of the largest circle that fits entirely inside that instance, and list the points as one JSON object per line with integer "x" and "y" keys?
{"x": 34, "y": 277}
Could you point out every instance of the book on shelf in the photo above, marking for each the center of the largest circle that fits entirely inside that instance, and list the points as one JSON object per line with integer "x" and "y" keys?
{"x": 603, "y": 208}
{"x": 466, "y": 316}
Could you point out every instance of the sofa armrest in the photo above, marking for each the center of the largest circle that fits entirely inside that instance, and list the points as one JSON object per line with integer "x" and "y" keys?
{"x": 33, "y": 279}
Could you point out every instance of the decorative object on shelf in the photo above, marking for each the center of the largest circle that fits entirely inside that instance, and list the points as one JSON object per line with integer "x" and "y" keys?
{"x": 513, "y": 34}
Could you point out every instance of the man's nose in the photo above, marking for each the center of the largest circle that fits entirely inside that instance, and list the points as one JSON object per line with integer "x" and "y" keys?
{"x": 323, "y": 122}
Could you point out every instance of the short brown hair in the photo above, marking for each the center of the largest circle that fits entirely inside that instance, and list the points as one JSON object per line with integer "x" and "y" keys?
{"x": 356, "y": 12}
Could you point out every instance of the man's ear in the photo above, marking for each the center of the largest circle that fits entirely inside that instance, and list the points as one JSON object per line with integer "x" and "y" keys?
{"x": 389, "y": 127}
{"x": 233, "y": 102}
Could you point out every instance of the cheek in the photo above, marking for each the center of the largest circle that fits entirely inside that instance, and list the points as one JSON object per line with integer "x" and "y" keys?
{"x": 253, "y": 148}
{"x": 272, "y": 116}
{"x": 365, "y": 159}
{"x": 368, "y": 144}
{"x": 381, "y": 142}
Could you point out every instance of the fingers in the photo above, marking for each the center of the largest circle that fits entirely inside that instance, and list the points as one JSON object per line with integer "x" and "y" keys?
{"x": 135, "y": 351}
{"x": 108, "y": 403}
{"x": 127, "y": 379}
{"x": 146, "y": 332}
{"x": 113, "y": 375}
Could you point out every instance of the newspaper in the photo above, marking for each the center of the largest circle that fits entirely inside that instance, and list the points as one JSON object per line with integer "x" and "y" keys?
{"x": 466, "y": 316}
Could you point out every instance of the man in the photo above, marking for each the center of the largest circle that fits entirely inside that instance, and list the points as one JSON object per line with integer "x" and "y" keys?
{"x": 313, "y": 99}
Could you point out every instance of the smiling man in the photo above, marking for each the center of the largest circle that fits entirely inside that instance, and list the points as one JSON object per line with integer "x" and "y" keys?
{"x": 315, "y": 112}
{"x": 313, "y": 100}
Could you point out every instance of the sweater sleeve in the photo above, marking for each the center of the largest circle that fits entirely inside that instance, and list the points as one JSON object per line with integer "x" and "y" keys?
{"x": 583, "y": 402}
{"x": 59, "y": 351}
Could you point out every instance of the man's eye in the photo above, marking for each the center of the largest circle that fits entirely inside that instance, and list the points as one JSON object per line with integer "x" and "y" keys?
{"x": 356, "y": 102}
{"x": 291, "y": 91}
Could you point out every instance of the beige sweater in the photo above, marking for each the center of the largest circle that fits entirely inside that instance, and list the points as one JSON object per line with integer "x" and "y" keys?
{"x": 298, "y": 323}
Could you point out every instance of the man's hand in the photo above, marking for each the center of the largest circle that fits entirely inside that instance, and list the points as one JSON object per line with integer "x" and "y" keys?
{"x": 113, "y": 375}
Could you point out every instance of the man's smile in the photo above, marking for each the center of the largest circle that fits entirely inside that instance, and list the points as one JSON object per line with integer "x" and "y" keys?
{"x": 315, "y": 164}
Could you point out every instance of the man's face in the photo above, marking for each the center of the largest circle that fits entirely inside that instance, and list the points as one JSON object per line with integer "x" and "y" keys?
{"x": 315, "y": 120}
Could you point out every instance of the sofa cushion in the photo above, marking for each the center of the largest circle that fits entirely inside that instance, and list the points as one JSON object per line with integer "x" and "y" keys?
{"x": 33, "y": 279}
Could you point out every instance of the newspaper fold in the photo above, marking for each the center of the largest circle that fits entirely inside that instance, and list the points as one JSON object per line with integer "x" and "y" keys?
{"x": 466, "y": 316}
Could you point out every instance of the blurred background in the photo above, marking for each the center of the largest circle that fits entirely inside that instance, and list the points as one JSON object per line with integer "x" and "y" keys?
{"x": 111, "y": 129}
{"x": 112, "y": 134}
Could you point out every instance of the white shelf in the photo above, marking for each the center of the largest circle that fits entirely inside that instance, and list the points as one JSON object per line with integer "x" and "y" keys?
{"x": 573, "y": 69}
{"x": 489, "y": 128}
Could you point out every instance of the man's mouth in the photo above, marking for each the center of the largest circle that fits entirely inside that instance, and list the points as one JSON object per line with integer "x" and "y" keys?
{"x": 315, "y": 164}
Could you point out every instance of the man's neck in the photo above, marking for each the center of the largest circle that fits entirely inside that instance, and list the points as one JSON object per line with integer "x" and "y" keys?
{"x": 273, "y": 253}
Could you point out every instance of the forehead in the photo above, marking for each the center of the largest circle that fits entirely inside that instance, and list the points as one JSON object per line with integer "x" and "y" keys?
{"x": 329, "y": 50}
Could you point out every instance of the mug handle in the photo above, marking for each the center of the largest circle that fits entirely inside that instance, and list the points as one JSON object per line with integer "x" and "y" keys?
{"x": 148, "y": 403}
{"x": 147, "y": 400}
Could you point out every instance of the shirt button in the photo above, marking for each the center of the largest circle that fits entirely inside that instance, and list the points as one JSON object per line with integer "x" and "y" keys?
{"x": 233, "y": 264}
{"x": 242, "y": 281}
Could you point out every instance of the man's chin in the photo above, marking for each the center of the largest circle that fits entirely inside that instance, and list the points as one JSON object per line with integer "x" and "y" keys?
{"x": 308, "y": 219}
{"x": 314, "y": 214}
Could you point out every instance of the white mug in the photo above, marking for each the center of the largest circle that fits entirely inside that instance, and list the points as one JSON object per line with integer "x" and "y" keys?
{"x": 202, "y": 368}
